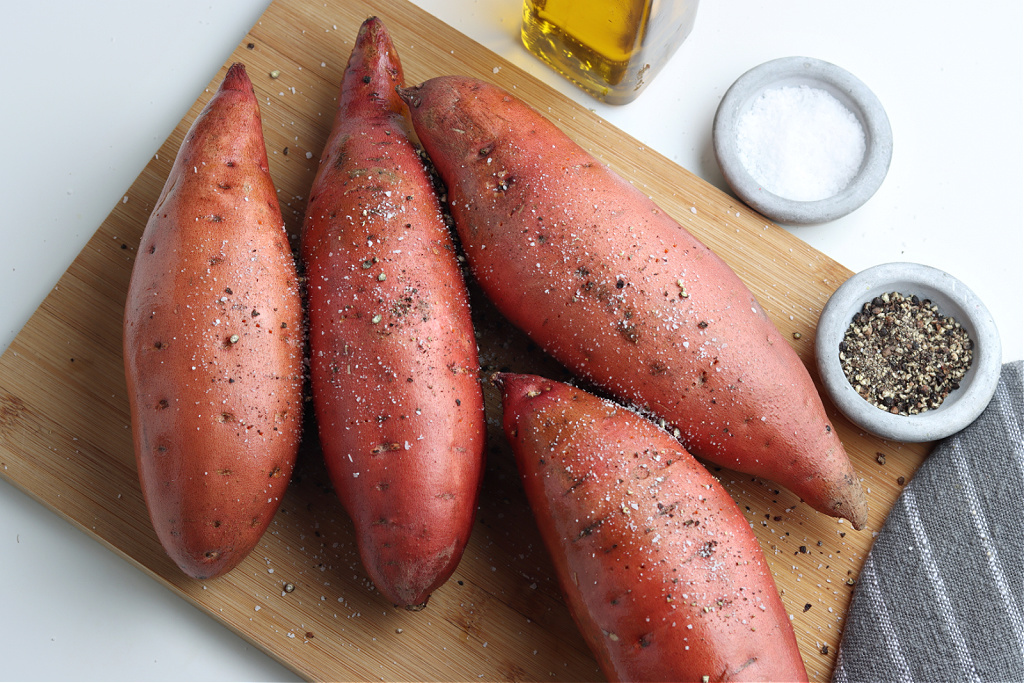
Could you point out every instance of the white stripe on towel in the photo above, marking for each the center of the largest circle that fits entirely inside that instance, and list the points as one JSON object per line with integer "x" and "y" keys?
{"x": 984, "y": 533}
{"x": 939, "y": 586}
{"x": 878, "y": 606}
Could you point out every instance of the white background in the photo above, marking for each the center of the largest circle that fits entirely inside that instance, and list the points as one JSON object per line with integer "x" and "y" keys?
{"x": 89, "y": 91}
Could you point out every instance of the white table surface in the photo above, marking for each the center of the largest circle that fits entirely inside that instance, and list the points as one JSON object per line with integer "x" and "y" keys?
{"x": 91, "y": 90}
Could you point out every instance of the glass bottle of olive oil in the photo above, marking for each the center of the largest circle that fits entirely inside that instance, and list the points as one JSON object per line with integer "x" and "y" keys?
{"x": 610, "y": 48}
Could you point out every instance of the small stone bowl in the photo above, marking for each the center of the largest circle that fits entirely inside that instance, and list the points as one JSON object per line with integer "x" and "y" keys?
{"x": 815, "y": 73}
{"x": 953, "y": 299}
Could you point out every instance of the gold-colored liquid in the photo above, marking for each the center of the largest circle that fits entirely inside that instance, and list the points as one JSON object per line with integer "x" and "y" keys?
{"x": 610, "y": 48}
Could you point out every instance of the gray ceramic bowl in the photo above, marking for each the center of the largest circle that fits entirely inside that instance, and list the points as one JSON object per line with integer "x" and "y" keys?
{"x": 953, "y": 299}
{"x": 851, "y": 92}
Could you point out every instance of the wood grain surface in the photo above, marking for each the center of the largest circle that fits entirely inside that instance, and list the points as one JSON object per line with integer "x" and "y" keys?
{"x": 302, "y": 595}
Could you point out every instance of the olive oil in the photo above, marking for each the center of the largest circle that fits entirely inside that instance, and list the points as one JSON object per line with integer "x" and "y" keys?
{"x": 610, "y": 48}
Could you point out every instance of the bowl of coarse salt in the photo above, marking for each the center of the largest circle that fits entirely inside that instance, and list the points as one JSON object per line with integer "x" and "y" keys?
{"x": 907, "y": 352}
{"x": 801, "y": 140}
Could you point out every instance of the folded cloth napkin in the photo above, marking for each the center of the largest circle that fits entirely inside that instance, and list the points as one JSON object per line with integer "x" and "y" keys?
{"x": 941, "y": 594}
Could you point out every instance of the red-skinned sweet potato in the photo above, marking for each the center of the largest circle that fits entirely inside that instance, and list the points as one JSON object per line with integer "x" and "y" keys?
{"x": 660, "y": 569}
{"x": 213, "y": 342}
{"x": 393, "y": 356}
{"x": 621, "y": 294}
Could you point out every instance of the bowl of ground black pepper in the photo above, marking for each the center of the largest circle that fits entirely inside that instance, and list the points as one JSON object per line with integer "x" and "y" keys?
{"x": 802, "y": 140}
{"x": 908, "y": 352}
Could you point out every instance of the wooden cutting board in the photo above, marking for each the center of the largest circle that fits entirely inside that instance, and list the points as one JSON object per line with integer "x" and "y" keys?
{"x": 65, "y": 436}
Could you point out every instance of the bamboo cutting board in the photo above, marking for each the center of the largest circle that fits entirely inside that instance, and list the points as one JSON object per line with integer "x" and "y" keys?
{"x": 302, "y": 595}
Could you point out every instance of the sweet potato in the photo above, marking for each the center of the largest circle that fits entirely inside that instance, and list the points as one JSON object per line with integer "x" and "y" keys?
{"x": 660, "y": 569}
{"x": 213, "y": 342}
{"x": 618, "y": 292}
{"x": 393, "y": 356}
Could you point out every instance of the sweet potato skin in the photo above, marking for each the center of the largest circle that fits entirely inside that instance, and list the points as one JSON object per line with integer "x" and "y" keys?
{"x": 393, "y": 355}
{"x": 213, "y": 342}
{"x": 660, "y": 569}
{"x": 617, "y": 291}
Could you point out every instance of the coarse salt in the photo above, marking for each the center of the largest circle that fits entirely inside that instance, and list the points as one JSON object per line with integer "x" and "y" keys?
{"x": 800, "y": 143}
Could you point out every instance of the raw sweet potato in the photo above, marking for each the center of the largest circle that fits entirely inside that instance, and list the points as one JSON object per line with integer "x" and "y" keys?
{"x": 621, "y": 294}
{"x": 393, "y": 356}
{"x": 659, "y": 567}
{"x": 213, "y": 342}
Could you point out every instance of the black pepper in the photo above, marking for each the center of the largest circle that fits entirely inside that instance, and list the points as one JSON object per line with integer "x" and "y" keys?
{"x": 902, "y": 355}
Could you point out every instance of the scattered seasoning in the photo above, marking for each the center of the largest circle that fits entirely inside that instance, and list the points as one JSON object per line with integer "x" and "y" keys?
{"x": 289, "y": 587}
{"x": 902, "y": 355}
{"x": 797, "y": 335}
{"x": 276, "y": 73}
{"x": 233, "y": 339}
{"x": 824, "y": 649}
{"x": 800, "y": 143}
{"x": 880, "y": 457}
{"x": 901, "y": 480}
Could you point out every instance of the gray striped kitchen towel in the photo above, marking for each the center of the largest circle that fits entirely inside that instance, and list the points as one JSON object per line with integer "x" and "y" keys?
{"x": 941, "y": 594}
